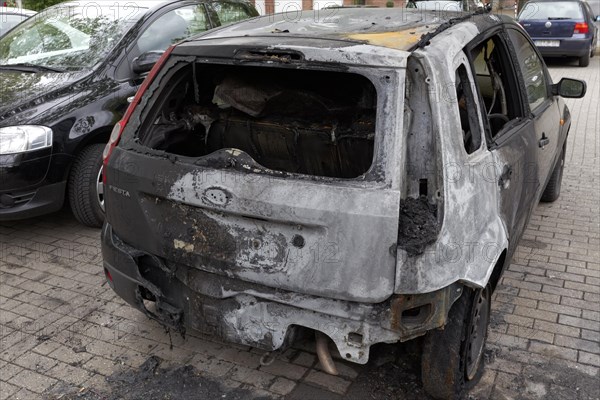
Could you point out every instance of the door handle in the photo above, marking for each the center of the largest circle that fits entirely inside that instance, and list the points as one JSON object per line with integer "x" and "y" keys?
{"x": 504, "y": 181}
{"x": 543, "y": 141}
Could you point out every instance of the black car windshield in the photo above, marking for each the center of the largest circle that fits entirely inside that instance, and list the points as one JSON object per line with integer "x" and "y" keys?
{"x": 549, "y": 10}
{"x": 69, "y": 36}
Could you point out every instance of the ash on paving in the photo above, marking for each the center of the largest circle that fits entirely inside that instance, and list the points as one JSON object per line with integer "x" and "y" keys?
{"x": 392, "y": 373}
{"x": 151, "y": 382}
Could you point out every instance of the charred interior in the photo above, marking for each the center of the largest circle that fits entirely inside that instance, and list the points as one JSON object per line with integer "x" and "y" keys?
{"x": 310, "y": 122}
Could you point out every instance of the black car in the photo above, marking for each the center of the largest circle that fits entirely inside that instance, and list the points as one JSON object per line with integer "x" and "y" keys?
{"x": 65, "y": 78}
{"x": 561, "y": 28}
{"x": 366, "y": 178}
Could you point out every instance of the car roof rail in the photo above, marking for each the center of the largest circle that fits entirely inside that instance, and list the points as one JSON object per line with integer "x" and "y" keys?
{"x": 426, "y": 38}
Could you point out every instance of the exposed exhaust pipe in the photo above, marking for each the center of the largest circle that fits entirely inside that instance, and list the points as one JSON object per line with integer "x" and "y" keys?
{"x": 324, "y": 354}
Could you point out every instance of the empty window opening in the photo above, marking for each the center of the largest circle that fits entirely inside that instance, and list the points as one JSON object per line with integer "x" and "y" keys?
{"x": 496, "y": 84}
{"x": 310, "y": 122}
{"x": 469, "y": 120}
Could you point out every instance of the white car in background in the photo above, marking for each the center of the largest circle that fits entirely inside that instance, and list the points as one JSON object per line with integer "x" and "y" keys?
{"x": 445, "y": 5}
{"x": 12, "y": 16}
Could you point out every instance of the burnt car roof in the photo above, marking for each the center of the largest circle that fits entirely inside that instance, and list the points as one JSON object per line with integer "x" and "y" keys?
{"x": 397, "y": 28}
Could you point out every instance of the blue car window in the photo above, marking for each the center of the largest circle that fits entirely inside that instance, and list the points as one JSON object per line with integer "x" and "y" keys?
{"x": 549, "y": 10}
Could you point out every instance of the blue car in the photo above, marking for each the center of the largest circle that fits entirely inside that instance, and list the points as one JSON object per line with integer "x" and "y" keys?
{"x": 561, "y": 28}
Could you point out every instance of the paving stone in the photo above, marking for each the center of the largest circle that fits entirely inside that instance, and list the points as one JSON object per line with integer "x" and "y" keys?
{"x": 259, "y": 379}
{"x": 32, "y": 381}
{"x": 100, "y": 365}
{"x": 332, "y": 383}
{"x": 305, "y": 359}
{"x": 559, "y": 308}
{"x": 7, "y": 390}
{"x": 536, "y": 313}
{"x": 587, "y": 358}
{"x": 280, "y": 368}
{"x": 35, "y": 362}
{"x": 246, "y": 358}
{"x": 282, "y": 386}
{"x": 579, "y": 322}
{"x": 212, "y": 366}
{"x": 9, "y": 370}
{"x": 528, "y": 333}
{"x": 557, "y": 328}
{"x": 553, "y": 351}
{"x": 24, "y": 394}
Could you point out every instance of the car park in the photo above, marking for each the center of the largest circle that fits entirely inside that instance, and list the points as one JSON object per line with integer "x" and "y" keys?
{"x": 12, "y": 16}
{"x": 66, "y": 76}
{"x": 561, "y": 28}
{"x": 367, "y": 178}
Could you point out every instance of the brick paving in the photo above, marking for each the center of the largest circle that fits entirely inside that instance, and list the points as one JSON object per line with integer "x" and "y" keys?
{"x": 62, "y": 327}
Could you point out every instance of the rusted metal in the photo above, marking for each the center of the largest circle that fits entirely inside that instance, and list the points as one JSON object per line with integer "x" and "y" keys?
{"x": 414, "y": 315}
{"x": 324, "y": 354}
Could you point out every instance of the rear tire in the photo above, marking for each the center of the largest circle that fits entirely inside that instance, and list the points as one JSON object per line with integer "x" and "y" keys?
{"x": 552, "y": 190}
{"x": 452, "y": 359}
{"x": 584, "y": 61}
{"x": 84, "y": 195}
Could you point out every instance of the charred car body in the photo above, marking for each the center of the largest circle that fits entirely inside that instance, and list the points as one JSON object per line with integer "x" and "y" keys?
{"x": 366, "y": 177}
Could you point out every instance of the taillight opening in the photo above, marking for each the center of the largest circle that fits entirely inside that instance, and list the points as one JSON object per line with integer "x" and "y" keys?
{"x": 117, "y": 131}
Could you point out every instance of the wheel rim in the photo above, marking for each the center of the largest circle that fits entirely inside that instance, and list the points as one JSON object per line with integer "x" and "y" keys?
{"x": 477, "y": 332}
{"x": 100, "y": 189}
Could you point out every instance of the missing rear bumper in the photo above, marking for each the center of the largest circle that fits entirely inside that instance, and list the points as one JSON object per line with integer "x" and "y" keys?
{"x": 263, "y": 317}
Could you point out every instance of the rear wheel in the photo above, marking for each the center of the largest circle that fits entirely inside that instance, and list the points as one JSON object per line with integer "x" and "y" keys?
{"x": 552, "y": 190}
{"x": 452, "y": 359}
{"x": 86, "y": 190}
{"x": 584, "y": 61}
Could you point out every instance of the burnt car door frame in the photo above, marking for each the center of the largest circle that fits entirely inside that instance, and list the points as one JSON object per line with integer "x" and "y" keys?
{"x": 513, "y": 146}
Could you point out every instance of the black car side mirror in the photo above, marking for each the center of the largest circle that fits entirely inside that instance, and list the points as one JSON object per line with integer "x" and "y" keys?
{"x": 567, "y": 87}
{"x": 145, "y": 62}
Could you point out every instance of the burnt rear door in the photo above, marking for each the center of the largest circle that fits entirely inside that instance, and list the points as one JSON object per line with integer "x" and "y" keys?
{"x": 287, "y": 186}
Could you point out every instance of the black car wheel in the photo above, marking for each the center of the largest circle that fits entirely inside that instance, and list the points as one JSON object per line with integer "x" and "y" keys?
{"x": 86, "y": 190}
{"x": 552, "y": 190}
{"x": 584, "y": 61}
{"x": 452, "y": 359}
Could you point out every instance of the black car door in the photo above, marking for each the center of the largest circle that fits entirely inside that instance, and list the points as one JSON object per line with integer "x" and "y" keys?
{"x": 164, "y": 27}
{"x": 543, "y": 106}
{"x": 161, "y": 28}
{"x": 510, "y": 134}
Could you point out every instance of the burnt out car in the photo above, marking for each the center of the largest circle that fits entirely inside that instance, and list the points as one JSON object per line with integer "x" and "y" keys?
{"x": 367, "y": 177}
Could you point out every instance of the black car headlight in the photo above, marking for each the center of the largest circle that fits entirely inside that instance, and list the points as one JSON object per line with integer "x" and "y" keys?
{"x": 24, "y": 138}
